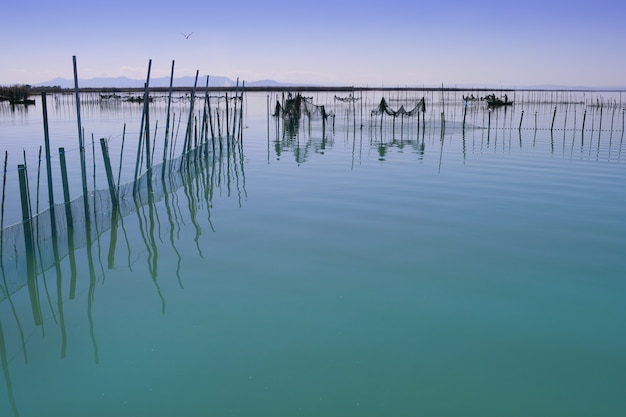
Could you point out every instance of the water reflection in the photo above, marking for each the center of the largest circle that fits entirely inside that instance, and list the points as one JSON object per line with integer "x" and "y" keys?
{"x": 181, "y": 189}
{"x": 467, "y": 127}
{"x": 145, "y": 232}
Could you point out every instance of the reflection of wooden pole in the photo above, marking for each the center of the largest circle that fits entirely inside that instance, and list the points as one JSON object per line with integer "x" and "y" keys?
{"x": 464, "y": 113}
{"x": 5, "y": 370}
{"x": 113, "y": 242}
{"x": 4, "y": 186}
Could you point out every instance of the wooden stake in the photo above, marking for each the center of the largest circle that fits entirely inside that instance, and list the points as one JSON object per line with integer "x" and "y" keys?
{"x": 66, "y": 191}
{"x": 141, "y": 126}
{"x": 167, "y": 122}
{"x": 107, "y": 167}
{"x": 81, "y": 144}
{"x": 48, "y": 164}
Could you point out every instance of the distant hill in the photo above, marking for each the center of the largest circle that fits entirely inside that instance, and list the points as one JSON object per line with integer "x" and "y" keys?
{"x": 218, "y": 81}
{"x": 125, "y": 82}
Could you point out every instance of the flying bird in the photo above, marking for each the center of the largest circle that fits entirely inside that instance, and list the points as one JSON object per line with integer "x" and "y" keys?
{"x": 185, "y": 35}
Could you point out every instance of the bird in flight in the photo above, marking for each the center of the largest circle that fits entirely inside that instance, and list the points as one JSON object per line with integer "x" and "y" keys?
{"x": 186, "y": 35}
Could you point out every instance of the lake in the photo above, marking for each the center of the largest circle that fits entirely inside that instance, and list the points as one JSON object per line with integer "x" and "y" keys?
{"x": 466, "y": 263}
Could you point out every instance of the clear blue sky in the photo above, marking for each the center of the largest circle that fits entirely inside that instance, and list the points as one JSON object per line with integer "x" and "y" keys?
{"x": 383, "y": 43}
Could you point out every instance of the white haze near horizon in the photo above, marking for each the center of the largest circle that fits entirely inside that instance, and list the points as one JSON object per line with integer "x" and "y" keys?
{"x": 405, "y": 43}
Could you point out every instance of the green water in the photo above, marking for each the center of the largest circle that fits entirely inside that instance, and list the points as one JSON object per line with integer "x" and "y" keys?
{"x": 463, "y": 276}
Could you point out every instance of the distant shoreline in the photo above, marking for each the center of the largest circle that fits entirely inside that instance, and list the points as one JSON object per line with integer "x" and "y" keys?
{"x": 312, "y": 88}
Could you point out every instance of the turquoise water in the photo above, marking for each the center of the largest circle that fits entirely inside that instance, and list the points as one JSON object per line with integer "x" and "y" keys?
{"x": 347, "y": 272}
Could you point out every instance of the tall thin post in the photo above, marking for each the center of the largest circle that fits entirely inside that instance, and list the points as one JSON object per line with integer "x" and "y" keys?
{"x": 167, "y": 122}
{"x": 227, "y": 125}
{"x": 109, "y": 172}
{"x": 235, "y": 108}
{"x": 66, "y": 190}
{"x": 141, "y": 126}
{"x": 29, "y": 244}
{"x": 81, "y": 144}
{"x": 48, "y": 163}
{"x": 189, "y": 131}
{"x": 243, "y": 86}
{"x": 553, "y": 117}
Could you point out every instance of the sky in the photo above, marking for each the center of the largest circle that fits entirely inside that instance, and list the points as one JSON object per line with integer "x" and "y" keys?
{"x": 362, "y": 43}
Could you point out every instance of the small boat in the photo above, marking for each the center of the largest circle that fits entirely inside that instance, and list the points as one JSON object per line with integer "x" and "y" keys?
{"x": 24, "y": 101}
{"x": 493, "y": 101}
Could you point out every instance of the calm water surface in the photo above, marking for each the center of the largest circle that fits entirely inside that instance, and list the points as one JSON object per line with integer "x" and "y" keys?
{"x": 347, "y": 270}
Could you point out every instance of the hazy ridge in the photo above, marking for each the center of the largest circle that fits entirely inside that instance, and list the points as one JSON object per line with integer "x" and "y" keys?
{"x": 221, "y": 81}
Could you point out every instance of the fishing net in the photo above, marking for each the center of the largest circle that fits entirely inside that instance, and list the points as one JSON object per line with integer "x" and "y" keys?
{"x": 295, "y": 107}
{"x": 74, "y": 232}
{"x": 383, "y": 107}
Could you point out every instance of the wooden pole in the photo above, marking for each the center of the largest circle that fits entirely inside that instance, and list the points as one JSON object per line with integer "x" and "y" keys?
{"x": 203, "y": 136}
{"x": 141, "y": 126}
{"x": 583, "y": 128}
{"x": 147, "y": 133}
{"x": 227, "y": 121}
{"x": 81, "y": 144}
{"x": 553, "y": 117}
{"x": 240, "y": 134}
{"x": 48, "y": 164}
{"x": 107, "y": 167}
{"x": 66, "y": 190}
{"x": 520, "y": 121}
{"x": 119, "y": 172}
{"x": 235, "y": 107}
{"x": 29, "y": 244}
{"x": 167, "y": 122}
{"x": 208, "y": 103}
{"x": 188, "y": 132}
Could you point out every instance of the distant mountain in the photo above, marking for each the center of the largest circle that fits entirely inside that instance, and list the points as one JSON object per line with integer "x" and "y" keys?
{"x": 125, "y": 82}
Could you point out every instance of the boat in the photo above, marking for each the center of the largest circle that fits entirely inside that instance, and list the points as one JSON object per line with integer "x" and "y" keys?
{"x": 493, "y": 101}
{"x": 24, "y": 101}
